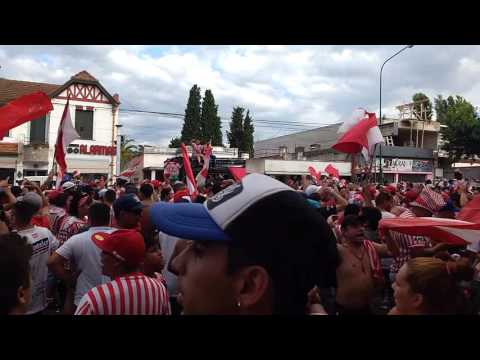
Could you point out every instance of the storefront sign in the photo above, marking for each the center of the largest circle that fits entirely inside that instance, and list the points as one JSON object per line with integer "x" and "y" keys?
{"x": 396, "y": 165}
{"x": 92, "y": 149}
{"x": 422, "y": 166}
{"x": 8, "y": 148}
{"x": 405, "y": 165}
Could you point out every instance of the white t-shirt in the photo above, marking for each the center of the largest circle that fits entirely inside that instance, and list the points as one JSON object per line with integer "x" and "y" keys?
{"x": 85, "y": 256}
{"x": 44, "y": 244}
{"x": 167, "y": 244}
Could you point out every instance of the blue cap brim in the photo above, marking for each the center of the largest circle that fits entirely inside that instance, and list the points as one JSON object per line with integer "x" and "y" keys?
{"x": 187, "y": 221}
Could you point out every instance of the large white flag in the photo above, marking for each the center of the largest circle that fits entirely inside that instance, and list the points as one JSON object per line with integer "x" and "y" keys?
{"x": 66, "y": 134}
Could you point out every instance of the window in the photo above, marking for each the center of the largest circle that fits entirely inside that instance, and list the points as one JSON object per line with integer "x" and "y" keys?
{"x": 35, "y": 172}
{"x": 84, "y": 124}
{"x": 38, "y": 131}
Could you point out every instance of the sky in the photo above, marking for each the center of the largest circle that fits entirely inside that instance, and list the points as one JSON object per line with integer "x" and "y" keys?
{"x": 302, "y": 87}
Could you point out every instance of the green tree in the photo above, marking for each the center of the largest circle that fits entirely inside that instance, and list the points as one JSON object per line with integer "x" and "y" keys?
{"x": 462, "y": 131}
{"x": 441, "y": 108}
{"x": 191, "y": 123}
{"x": 128, "y": 151}
{"x": 248, "y": 129}
{"x": 426, "y": 103}
{"x": 235, "y": 135}
{"x": 175, "y": 142}
{"x": 210, "y": 124}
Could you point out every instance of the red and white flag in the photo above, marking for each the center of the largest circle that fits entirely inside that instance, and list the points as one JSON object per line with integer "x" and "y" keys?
{"x": 202, "y": 175}
{"x": 361, "y": 134}
{"x": 25, "y": 108}
{"x": 191, "y": 185}
{"x": 314, "y": 173}
{"x": 332, "y": 171}
{"x": 471, "y": 211}
{"x": 66, "y": 134}
{"x": 455, "y": 232}
{"x": 237, "y": 172}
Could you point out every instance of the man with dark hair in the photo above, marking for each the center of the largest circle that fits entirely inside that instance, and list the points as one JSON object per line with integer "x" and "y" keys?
{"x": 15, "y": 277}
{"x": 122, "y": 254}
{"x": 131, "y": 189}
{"x": 384, "y": 202}
{"x": 128, "y": 211}
{"x": 109, "y": 197}
{"x": 256, "y": 247}
{"x": 56, "y": 209}
{"x": 43, "y": 244}
{"x": 146, "y": 192}
{"x": 85, "y": 255}
{"x": 359, "y": 271}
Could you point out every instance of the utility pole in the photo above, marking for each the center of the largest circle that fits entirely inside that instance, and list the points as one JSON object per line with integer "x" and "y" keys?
{"x": 119, "y": 151}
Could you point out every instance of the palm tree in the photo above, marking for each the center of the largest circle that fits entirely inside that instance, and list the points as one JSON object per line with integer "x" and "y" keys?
{"x": 128, "y": 151}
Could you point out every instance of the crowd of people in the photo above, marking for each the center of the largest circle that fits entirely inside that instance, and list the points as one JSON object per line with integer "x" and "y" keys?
{"x": 255, "y": 246}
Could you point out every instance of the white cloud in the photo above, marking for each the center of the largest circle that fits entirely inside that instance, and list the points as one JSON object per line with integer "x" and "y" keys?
{"x": 318, "y": 84}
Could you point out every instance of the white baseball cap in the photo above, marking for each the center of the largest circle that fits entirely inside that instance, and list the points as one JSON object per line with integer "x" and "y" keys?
{"x": 311, "y": 189}
{"x": 68, "y": 185}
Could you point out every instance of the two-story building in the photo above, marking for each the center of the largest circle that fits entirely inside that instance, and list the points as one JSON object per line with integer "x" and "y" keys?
{"x": 28, "y": 150}
{"x": 410, "y": 153}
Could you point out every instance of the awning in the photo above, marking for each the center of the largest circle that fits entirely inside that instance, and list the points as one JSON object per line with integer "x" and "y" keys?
{"x": 97, "y": 166}
{"x": 8, "y": 162}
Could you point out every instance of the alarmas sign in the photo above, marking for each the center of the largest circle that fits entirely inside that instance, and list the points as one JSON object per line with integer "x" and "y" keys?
{"x": 91, "y": 149}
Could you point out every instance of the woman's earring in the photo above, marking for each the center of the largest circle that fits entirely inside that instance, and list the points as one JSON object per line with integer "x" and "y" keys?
{"x": 239, "y": 304}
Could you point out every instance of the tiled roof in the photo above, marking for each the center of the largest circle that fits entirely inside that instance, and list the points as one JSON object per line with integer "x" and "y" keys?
{"x": 83, "y": 75}
{"x": 12, "y": 89}
{"x": 326, "y": 136}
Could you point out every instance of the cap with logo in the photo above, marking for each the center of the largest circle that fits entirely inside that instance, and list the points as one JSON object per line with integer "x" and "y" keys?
{"x": 126, "y": 245}
{"x": 264, "y": 217}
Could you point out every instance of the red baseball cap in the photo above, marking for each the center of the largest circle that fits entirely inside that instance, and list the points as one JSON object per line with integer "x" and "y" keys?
{"x": 155, "y": 183}
{"x": 391, "y": 189}
{"x": 411, "y": 195}
{"x": 126, "y": 245}
{"x": 52, "y": 195}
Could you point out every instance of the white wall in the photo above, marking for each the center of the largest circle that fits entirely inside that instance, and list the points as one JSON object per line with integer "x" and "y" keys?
{"x": 102, "y": 124}
{"x": 293, "y": 167}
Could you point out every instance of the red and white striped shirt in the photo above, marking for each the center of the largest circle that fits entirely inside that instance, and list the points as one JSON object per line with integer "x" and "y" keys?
{"x": 133, "y": 294}
{"x": 404, "y": 243}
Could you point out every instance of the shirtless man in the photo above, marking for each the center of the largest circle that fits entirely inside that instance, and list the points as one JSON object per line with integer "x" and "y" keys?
{"x": 359, "y": 268}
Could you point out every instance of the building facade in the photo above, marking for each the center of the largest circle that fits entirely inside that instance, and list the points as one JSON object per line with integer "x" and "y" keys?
{"x": 411, "y": 151}
{"x": 28, "y": 150}
{"x": 150, "y": 164}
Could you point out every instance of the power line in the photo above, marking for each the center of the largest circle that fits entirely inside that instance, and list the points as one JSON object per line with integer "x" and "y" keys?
{"x": 225, "y": 118}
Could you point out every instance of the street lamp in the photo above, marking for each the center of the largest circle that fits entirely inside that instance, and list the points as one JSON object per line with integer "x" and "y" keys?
{"x": 381, "y": 70}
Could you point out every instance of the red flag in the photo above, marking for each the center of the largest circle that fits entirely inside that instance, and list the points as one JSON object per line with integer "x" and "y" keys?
{"x": 455, "y": 232}
{"x": 237, "y": 172}
{"x": 25, "y": 108}
{"x": 361, "y": 137}
{"x": 191, "y": 185}
{"x": 471, "y": 211}
{"x": 66, "y": 134}
{"x": 128, "y": 173}
{"x": 332, "y": 171}
{"x": 202, "y": 175}
{"x": 316, "y": 175}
